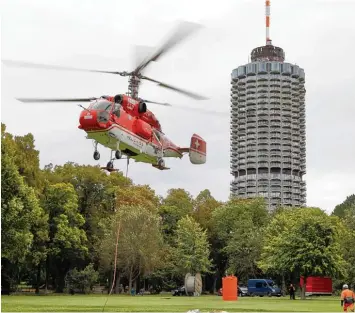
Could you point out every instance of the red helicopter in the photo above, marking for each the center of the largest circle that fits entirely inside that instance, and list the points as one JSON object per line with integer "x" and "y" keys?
{"x": 123, "y": 123}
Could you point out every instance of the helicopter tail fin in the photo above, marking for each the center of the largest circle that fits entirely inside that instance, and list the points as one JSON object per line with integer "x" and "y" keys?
{"x": 197, "y": 151}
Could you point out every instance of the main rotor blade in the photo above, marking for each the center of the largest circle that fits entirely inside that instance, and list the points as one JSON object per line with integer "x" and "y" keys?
{"x": 199, "y": 110}
{"x": 31, "y": 100}
{"x": 182, "y": 91}
{"x": 160, "y": 103}
{"x": 183, "y": 30}
{"x": 56, "y": 67}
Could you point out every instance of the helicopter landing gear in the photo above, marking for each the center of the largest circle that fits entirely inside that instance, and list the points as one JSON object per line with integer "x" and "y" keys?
{"x": 118, "y": 154}
{"x": 96, "y": 155}
{"x": 161, "y": 162}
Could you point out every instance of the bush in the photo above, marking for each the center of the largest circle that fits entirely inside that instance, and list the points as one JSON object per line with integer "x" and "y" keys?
{"x": 82, "y": 281}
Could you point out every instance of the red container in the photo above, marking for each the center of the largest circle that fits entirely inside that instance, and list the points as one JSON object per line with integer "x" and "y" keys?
{"x": 230, "y": 288}
{"x": 318, "y": 285}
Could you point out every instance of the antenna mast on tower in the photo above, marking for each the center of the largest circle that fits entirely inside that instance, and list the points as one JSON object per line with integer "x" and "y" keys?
{"x": 267, "y": 20}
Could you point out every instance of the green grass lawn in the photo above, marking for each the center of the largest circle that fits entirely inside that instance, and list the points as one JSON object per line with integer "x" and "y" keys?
{"x": 161, "y": 303}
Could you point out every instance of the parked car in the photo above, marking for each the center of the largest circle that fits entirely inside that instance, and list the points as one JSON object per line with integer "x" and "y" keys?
{"x": 263, "y": 287}
{"x": 242, "y": 291}
{"x": 179, "y": 291}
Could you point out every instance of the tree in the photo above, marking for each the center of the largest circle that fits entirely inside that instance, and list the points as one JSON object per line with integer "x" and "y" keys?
{"x": 139, "y": 242}
{"x": 96, "y": 197}
{"x": 67, "y": 239}
{"x": 23, "y": 221}
{"x": 238, "y": 226}
{"x": 137, "y": 195}
{"x": 204, "y": 205}
{"x": 192, "y": 248}
{"x": 177, "y": 204}
{"x": 340, "y": 209}
{"x": 25, "y": 157}
{"x": 347, "y": 243}
{"x": 305, "y": 241}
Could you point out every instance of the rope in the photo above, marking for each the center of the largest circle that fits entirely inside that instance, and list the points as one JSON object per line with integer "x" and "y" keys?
{"x": 114, "y": 271}
{"x": 127, "y": 166}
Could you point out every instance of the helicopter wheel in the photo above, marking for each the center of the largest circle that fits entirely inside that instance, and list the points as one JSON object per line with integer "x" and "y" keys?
{"x": 118, "y": 154}
{"x": 110, "y": 165}
{"x": 97, "y": 155}
{"x": 161, "y": 162}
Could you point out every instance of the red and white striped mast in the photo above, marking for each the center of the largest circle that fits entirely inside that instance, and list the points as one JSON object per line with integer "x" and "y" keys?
{"x": 267, "y": 20}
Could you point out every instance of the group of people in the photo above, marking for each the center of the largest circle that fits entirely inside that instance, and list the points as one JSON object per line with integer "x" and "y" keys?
{"x": 347, "y": 297}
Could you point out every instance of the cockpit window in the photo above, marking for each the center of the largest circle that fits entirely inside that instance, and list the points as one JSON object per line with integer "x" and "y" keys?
{"x": 102, "y": 105}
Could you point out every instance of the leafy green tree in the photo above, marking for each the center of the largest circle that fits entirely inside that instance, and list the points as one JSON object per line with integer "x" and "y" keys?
{"x": 137, "y": 195}
{"x": 204, "y": 205}
{"x": 347, "y": 243}
{"x": 139, "y": 243}
{"x": 96, "y": 196}
{"x": 67, "y": 239}
{"x": 23, "y": 221}
{"x": 238, "y": 226}
{"x": 305, "y": 241}
{"x": 192, "y": 249}
{"x": 177, "y": 204}
{"x": 83, "y": 280}
{"x": 340, "y": 209}
{"x": 25, "y": 157}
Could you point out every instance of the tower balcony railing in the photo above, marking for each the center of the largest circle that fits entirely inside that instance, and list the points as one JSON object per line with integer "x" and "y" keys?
{"x": 263, "y": 141}
{"x": 250, "y": 97}
{"x": 275, "y": 111}
{"x": 250, "y": 177}
{"x": 263, "y": 115}
{"x": 251, "y": 91}
{"x": 263, "y": 106}
{"x": 252, "y": 125}
{"x": 251, "y": 79}
{"x": 263, "y": 157}
{"x": 251, "y": 119}
{"x": 286, "y": 142}
{"x": 263, "y": 164}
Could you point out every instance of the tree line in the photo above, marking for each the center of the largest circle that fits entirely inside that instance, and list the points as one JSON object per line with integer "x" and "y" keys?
{"x": 72, "y": 226}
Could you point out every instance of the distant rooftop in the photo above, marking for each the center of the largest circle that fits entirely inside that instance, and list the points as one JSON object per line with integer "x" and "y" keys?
{"x": 267, "y": 53}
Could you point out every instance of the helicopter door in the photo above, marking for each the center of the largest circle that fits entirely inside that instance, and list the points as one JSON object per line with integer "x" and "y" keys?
{"x": 116, "y": 112}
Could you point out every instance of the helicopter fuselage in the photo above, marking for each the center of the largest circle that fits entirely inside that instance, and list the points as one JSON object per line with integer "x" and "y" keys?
{"x": 108, "y": 124}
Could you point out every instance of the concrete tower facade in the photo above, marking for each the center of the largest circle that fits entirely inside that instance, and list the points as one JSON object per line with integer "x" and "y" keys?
{"x": 268, "y": 139}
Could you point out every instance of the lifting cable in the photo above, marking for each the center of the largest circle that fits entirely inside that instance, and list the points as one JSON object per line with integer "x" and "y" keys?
{"x": 127, "y": 166}
{"x": 114, "y": 271}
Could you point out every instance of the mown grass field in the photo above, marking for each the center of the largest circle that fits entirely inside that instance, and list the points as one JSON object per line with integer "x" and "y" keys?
{"x": 161, "y": 303}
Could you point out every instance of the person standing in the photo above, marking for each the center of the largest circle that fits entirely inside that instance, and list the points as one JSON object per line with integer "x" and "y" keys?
{"x": 347, "y": 299}
{"x": 292, "y": 290}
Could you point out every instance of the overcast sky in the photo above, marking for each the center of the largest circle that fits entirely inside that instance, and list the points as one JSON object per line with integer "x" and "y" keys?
{"x": 317, "y": 35}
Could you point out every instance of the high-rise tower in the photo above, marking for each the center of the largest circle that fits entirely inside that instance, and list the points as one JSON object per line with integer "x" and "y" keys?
{"x": 268, "y": 142}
